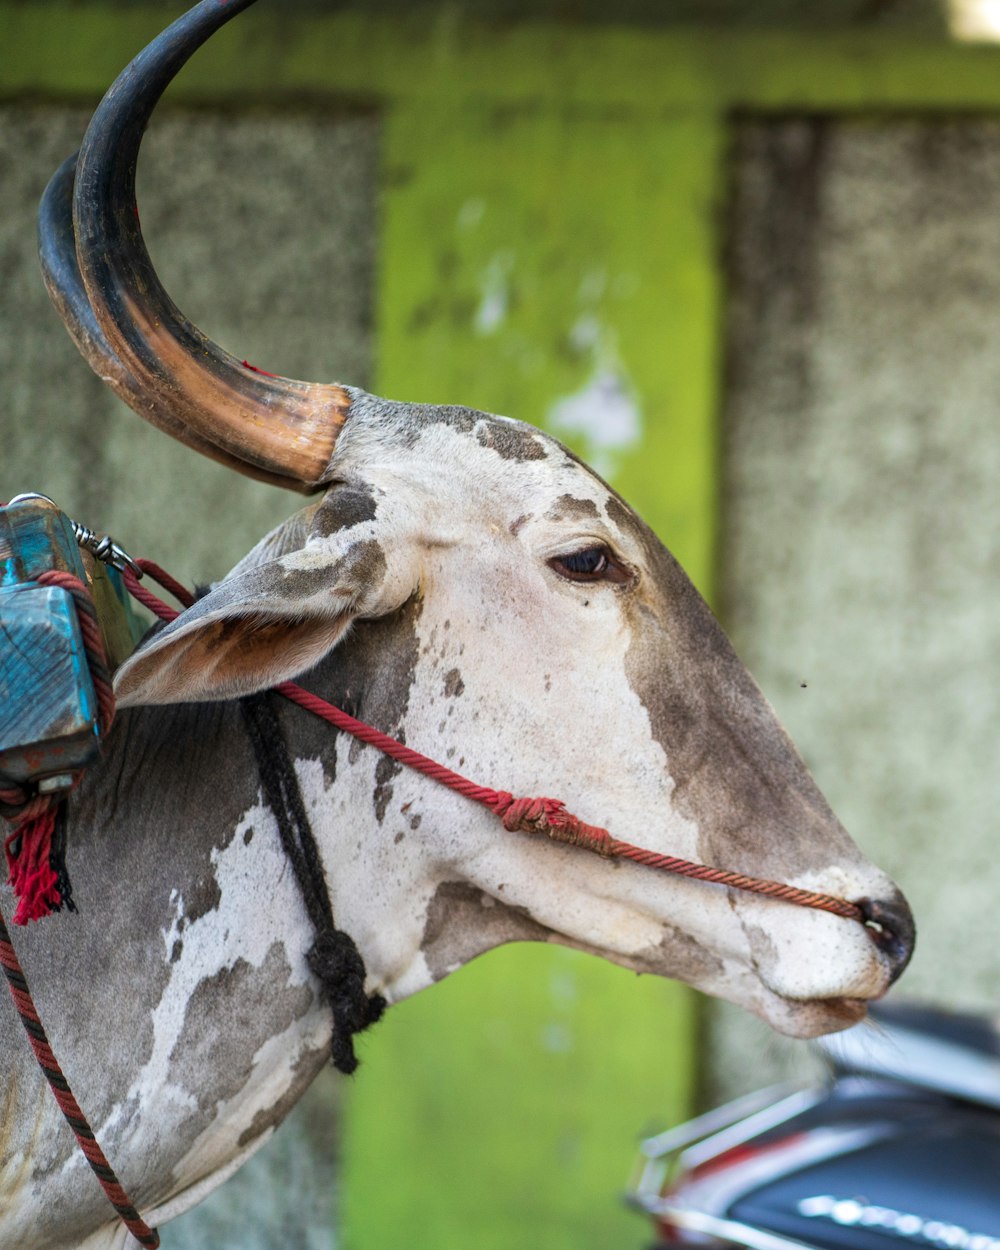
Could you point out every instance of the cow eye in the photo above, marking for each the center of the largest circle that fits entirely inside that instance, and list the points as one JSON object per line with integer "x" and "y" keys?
{"x": 592, "y": 564}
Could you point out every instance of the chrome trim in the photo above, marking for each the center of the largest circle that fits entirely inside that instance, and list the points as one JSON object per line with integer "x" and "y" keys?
{"x": 671, "y": 1154}
{"x": 914, "y": 1058}
{"x": 731, "y": 1231}
{"x": 28, "y": 495}
{"x": 753, "y": 1126}
{"x": 714, "y": 1121}
{"x": 716, "y": 1192}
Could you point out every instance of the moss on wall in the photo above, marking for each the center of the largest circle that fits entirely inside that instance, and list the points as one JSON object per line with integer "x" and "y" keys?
{"x": 557, "y": 268}
{"x": 58, "y": 48}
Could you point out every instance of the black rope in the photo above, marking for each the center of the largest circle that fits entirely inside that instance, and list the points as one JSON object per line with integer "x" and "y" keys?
{"x": 333, "y": 957}
{"x": 57, "y": 862}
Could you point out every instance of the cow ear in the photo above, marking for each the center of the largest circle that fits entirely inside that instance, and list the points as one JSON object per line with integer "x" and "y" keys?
{"x": 262, "y": 625}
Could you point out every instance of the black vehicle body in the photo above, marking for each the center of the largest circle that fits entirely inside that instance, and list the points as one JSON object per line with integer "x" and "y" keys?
{"x": 901, "y": 1147}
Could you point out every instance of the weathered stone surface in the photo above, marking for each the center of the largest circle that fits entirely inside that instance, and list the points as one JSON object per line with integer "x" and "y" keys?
{"x": 861, "y": 544}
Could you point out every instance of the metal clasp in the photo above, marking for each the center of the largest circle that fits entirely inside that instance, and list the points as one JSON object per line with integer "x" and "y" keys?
{"x": 104, "y": 548}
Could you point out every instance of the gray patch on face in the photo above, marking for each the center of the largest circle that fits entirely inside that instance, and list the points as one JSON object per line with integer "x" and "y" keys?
{"x": 453, "y": 683}
{"x": 361, "y": 565}
{"x": 569, "y": 508}
{"x": 343, "y": 506}
{"x": 364, "y": 564}
{"x": 685, "y": 959}
{"x": 463, "y": 921}
{"x": 512, "y": 442}
{"x": 620, "y": 514}
{"x": 214, "y": 1061}
{"x": 737, "y": 775}
{"x": 370, "y": 675}
{"x": 405, "y": 423}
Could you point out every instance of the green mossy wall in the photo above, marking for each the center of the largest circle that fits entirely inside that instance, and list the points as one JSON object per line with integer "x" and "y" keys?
{"x": 524, "y": 252}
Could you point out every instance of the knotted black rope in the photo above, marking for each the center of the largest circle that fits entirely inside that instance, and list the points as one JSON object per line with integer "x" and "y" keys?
{"x": 333, "y": 957}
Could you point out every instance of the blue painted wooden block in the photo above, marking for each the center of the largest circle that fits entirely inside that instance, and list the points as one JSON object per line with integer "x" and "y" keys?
{"x": 35, "y": 536}
{"x": 48, "y": 708}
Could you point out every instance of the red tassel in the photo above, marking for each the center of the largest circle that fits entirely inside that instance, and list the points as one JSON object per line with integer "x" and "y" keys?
{"x": 29, "y": 867}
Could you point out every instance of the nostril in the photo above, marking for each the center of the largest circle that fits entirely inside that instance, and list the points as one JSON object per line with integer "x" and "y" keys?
{"x": 890, "y": 925}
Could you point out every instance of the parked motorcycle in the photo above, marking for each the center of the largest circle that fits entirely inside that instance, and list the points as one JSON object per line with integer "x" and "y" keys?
{"x": 901, "y": 1146}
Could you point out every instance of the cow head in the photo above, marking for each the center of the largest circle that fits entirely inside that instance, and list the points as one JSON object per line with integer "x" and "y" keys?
{"x": 537, "y": 631}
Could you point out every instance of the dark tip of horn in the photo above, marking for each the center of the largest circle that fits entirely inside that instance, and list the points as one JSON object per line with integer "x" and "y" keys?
{"x": 112, "y": 252}
{"x": 105, "y": 189}
{"x": 285, "y": 427}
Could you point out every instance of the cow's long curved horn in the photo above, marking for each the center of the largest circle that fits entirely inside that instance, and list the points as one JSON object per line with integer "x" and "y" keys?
{"x": 57, "y": 253}
{"x": 284, "y": 427}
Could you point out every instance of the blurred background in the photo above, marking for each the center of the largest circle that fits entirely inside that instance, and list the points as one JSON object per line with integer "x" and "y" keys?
{"x": 743, "y": 257}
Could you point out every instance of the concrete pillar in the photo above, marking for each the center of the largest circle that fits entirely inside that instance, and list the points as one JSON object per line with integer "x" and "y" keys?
{"x": 861, "y": 535}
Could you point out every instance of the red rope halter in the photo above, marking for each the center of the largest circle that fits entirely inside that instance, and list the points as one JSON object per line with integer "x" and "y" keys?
{"x": 525, "y": 815}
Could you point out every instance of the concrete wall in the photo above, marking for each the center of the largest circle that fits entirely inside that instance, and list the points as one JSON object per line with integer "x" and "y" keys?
{"x": 861, "y": 546}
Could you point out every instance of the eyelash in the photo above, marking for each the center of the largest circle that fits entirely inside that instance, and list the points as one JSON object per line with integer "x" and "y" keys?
{"x": 592, "y": 564}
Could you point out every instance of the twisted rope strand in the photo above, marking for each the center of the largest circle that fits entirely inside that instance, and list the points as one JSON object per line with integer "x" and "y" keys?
{"x": 84, "y": 1134}
{"x": 529, "y": 815}
{"x": 151, "y": 601}
{"x": 93, "y": 641}
{"x": 549, "y": 816}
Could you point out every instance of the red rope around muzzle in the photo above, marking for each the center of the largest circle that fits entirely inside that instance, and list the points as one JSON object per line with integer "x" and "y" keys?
{"x": 524, "y": 815}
